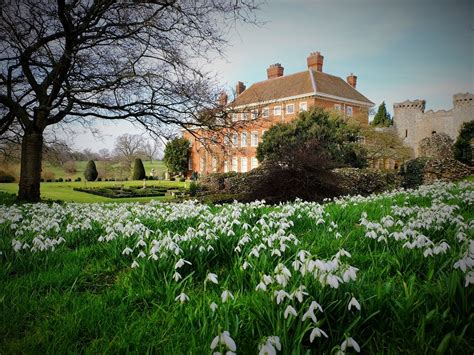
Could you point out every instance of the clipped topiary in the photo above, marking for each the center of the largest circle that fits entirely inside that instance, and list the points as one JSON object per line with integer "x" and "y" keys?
{"x": 138, "y": 170}
{"x": 90, "y": 173}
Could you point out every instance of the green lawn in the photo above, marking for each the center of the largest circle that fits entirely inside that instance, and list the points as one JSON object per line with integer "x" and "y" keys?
{"x": 64, "y": 190}
{"x": 58, "y": 172}
{"x": 390, "y": 273}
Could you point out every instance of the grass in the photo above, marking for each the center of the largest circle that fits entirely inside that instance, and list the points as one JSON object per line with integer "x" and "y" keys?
{"x": 63, "y": 191}
{"x": 84, "y": 296}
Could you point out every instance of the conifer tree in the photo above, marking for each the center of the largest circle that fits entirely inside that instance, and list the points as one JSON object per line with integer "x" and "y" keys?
{"x": 90, "y": 173}
{"x": 138, "y": 170}
{"x": 382, "y": 118}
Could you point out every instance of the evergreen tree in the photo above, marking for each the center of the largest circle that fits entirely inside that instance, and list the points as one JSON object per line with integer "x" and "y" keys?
{"x": 462, "y": 147}
{"x": 382, "y": 118}
{"x": 90, "y": 173}
{"x": 138, "y": 170}
{"x": 176, "y": 155}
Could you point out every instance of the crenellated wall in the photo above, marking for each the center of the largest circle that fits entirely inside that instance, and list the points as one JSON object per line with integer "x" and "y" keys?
{"x": 412, "y": 123}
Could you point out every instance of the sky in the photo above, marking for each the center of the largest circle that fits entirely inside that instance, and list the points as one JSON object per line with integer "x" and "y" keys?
{"x": 399, "y": 49}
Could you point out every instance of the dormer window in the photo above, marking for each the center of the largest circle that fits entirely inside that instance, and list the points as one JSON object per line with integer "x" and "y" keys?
{"x": 266, "y": 112}
{"x": 277, "y": 111}
{"x": 337, "y": 107}
{"x": 349, "y": 111}
{"x": 290, "y": 109}
{"x": 303, "y": 106}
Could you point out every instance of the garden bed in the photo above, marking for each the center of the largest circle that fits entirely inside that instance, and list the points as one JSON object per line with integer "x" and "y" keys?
{"x": 129, "y": 191}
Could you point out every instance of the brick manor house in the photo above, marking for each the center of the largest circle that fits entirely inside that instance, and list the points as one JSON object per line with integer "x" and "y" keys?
{"x": 278, "y": 99}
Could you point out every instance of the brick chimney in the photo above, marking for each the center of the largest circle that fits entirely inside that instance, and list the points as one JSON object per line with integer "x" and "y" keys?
{"x": 223, "y": 98}
{"x": 315, "y": 61}
{"x": 352, "y": 80}
{"x": 239, "y": 88}
{"x": 275, "y": 71}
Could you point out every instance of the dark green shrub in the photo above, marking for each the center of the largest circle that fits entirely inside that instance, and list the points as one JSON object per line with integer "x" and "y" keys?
{"x": 138, "y": 170}
{"x": 5, "y": 177}
{"x": 412, "y": 172}
{"x": 99, "y": 179}
{"x": 172, "y": 178}
{"x": 462, "y": 147}
{"x": 193, "y": 188}
{"x": 77, "y": 179}
{"x": 49, "y": 180}
{"x": 90, "y": 173}
{"x": 41, "y": 180}
{"x": 182, "y": 179}
{"x": 60, "y": 180}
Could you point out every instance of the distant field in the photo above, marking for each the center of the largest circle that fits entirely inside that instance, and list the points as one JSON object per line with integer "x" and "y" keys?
{"x": 58, "y": 172}
{"x": 64, "y": 190}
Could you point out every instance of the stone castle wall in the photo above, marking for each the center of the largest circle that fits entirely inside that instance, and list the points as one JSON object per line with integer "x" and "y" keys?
{"x": 412, "y": 123}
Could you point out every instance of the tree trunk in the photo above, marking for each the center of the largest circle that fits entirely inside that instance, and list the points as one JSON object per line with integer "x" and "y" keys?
{"x": 30, "y": 175}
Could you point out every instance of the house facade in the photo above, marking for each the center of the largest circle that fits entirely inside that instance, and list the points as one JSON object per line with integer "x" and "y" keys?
{"x": 278, "y": 99}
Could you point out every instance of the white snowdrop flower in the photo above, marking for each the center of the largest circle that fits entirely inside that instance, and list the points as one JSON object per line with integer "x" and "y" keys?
{"x": 350, "y": 343}
{"x": 180, "y": 263}
{"x": 267, "y": 279}
{"x": 280, "y": 296}
{"x": 315, "y": 305}
{"x": 213, "y": 306}
{"x": 296, "y": 265}
{"x": 177, "y": 276}
{"x": 338, "y": 235}
{"x": 141, "y": 254}
{"x": 274, "y": 340}
{"x": 224, "y": 339}
{"x": 271, "y": 346}
{"x": 276, "y": 252}
{"x": 332, "y": 281}
{"x": 343, "y": 252}
{"x": 182, "y": 297}
{"x": 300, "y": 293}
{"x": 469, "y": 278}
{"x": 261, "y": 286}
{"x": 135, "y": 264}
{"x": 309, "y": 314}
{"x": 290, "y": 310}
{"x": 428, "y": 252}
{"x": 127, "y": 251}
{"x": 140, "y": 243}
{"x": 317, "y": 332}
{"x": 245, "y": 265}
{"x": 353, "y": 303}
{"x": 350, "y": 274}
{"x": 212, "y": 278}
{"x": 226, "y": 295}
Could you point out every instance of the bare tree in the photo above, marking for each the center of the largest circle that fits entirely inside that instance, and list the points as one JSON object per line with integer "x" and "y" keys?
{"x": 128, "y": 147}
{"x": 151, "y": 149}
{"x": 139, "y": 61}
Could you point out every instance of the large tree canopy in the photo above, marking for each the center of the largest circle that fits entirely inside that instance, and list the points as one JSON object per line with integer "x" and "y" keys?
{"x": 176, "y": 155}
{"x": 83, "y": 59}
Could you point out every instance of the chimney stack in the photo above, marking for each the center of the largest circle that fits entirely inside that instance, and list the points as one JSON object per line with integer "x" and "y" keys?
{"x": 275, "y": 71}
{"x": 315, "y": 61}
{"x": 239, "y": 88}
{"x": 223, "y": 99}
{"x": 352, "y": 80}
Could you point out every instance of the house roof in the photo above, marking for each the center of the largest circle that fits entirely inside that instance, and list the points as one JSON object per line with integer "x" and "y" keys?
{"x": 309, "y": 82}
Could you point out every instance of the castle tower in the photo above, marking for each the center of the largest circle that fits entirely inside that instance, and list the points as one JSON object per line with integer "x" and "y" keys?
{"x": 406, "y": 115}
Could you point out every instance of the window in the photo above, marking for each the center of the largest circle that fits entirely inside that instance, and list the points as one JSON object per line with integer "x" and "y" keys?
{"x": 349, "y": 111}
{"x": 243, "y": 165}
{"x": 245, "y": 116}
{"x": 234, "y": 164}
{"x": 202, "y": 164}
{"x": 254, "y": 139}
{"x": 235, "y": 140}
{"x": 254, "y": 114}
{"x": 266, "y": 112}
{"x": 214, "y": 164}
{"x": 337, "y": 107}
{"x": 277, "y": 111}
{"x": 254, "y": 163}
{"x": 226, "y": 166}
{"x": 243, "y": 139}
{"x": 190, "y": 164}
{"x": 235, "y": 117}
{"x": 290, "y": 108}
{"x": 303, "y": 106}
{"x": 226, "y": 140}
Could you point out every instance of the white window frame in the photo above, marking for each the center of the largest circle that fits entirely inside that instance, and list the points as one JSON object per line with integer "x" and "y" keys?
{"x": 266, "y": 112}
{"x": 303, "y": 106}
{"x": 337, "y": 107}
{"x": 253, "y": 163}
{"x": 254, "y": 114}
{"x": 254, "y": 139}
{"x": 349, "y": 111}
{"x": 243, "y": 139}
{"x": 235, "y": 117}
{"x": 277, "y": 111}
{"x": 235, "y": 140}
{"x": 292, "y": 111}
{"x": 226, "y": 166}
{"x": 214, "y": 164}
{"x": 226, "y": 140}
{"x": 245, "y": 116}
{"x": 244, "y": 164}
{"x": 235, "y": 163}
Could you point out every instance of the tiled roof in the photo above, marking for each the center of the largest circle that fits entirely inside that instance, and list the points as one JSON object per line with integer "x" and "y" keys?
{"x": 299, "y": 84}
